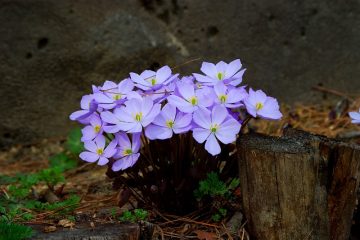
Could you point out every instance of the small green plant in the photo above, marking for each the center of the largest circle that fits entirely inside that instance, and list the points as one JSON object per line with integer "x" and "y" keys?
{"x": 134, "y": 216}
{"x": 14, "y": 231}
{"x": 217, "y": 217}
{"x": 113, "y": 212}
{"x": 62, "y": 161}
{"x": 19, "y": 189}
{"x": 212, "y": 186}
{"x": 73, "y": 143}
{"x": 219, "y": 192}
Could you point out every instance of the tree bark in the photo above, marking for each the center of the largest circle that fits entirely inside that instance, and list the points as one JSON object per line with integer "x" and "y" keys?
{"x": 300, "y": 186}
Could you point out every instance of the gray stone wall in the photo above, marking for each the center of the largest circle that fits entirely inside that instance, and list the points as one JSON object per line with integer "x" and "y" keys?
{"x": 52, "y": 51}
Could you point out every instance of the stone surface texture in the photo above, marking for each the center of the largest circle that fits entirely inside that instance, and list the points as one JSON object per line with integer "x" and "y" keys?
{"x": 52, "y": 51}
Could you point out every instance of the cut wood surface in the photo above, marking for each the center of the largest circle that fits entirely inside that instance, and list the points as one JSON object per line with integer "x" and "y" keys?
{"x": 85, "y": 232}
{"x": 300, "y": 186}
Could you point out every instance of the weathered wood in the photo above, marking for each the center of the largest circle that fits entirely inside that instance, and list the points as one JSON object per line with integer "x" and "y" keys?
{"x": 300, "y": 186}
{"x": 85, "y": 232}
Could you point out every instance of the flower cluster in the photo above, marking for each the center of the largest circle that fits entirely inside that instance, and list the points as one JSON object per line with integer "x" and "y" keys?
{"x": 120, "y": 117}
{"x": 355, "y": 117}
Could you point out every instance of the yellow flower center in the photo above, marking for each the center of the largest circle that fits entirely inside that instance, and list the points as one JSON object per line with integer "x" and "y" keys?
{"x": 214, "y": 128}
{"x": 259, "y": 106}
{"x": 117, "y": 97}
{"x": 153, "y": 81}
{"x": 138, "y": 117}
{"x": 193, "y": 100}
{"x": 170, "y": 123}
{"x": 100, "y": 151}
{"x": 220, "y": 76}
{"x": 127, "y": 152}
{"x": 97, "y": 128}
{"x": 222, "y": 98}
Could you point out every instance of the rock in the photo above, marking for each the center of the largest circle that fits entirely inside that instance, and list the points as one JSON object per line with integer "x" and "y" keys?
{"x": 52, "y": 51}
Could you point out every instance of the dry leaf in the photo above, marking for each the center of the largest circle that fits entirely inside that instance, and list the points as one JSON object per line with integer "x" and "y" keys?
{"x": 202, "y": 235}
{"x": 48, "y": 229}
{"x": 66, "y": 223}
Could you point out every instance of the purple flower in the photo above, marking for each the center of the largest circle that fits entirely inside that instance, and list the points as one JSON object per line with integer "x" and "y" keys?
{"x": 190, "y": 99}
{"x": 228, "y": 73}
{"x": 93, "y": 130}
{"x": 113, "y": 94}
{"x": 167, "y": 122}
{"x": 213, "y": 126}
{"x": 229, "y": 96}
{"x": 355, "y": 117}
{"x": 131, "y": 118}
{"x": 127, "y": 154}
{"x": 150, "y": 80}
{"x": 188, "y": 79}
{"x": 257, "y": 103}
{"x": 97, "y": 151}
{"x": 88, "y": 106}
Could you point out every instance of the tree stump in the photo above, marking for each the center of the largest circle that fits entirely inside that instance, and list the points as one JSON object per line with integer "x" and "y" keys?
{"x": 299, "y": 186}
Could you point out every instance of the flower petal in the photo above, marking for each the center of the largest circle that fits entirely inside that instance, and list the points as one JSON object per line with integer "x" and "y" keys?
{"x": 100, "y": 141}
{"x": 202, "y": 117}
{"x": 204, "y": 79}
{"x": 151, "y": 115}
{"x": 218, "y": 114}
{"x": 102, "y": 98}
{"x": 232, "y": 68}
{"x": 186, "y": 90}
{"x": 181, "y": 104}
{"x": 102, "y": 161}
{"x": 88, "y": 133}
{"x": 89, "y": 156}
{"x": 90, "y": 146}
{"x": 136, "y": 142}
{"x": 212, "y": 145}
{"x": 163, "y": 74}
{"x": 228, "y": 130}
{"x": 169, "y": 112}
{"x": 85, "y": 101}
{"x": 110, "y": 150}
{"x": 112, "y": 128}
{"x": 126, "y": 86}
{"x": 109, "y": 117}
{"x": 220, "y": 88}
{"x": 201, "y": 134}
{"x": 209, "y": 69}
{"x": 156, "y": 132}
{"x": 182, "y": 120}
{"x": 81, "y": 114}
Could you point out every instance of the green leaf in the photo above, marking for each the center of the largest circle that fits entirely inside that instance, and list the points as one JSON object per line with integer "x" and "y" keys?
{"x": 62, "y": 161}
{"x": 13, "y": 231}
{"x": 211, "y": 186}
{"x": 234, "y": 183}
{"x": 19, "y": 192}
{"x": 51, "y": 176}
{"x": 216, "y": 217}
{"x": 223, "y": 211}
{"x": 73, "y": 143}
{"x": 127, "y": 216}
{"x": 5, "y": 180}
{"x": 27, "y": 216}
{"x": 141, "y": 214}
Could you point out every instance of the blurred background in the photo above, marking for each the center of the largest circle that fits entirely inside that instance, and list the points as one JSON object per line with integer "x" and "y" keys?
{"x": 52, "y": 51}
